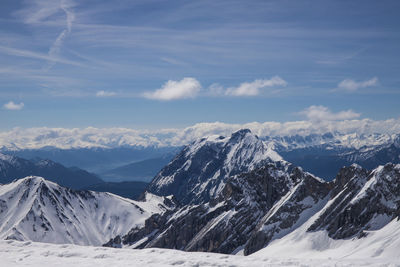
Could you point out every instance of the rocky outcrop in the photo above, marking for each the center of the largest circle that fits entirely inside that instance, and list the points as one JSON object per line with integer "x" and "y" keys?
{"x": 227, "y": 222}
{"x": 292, "y": 210}
{"x": 361, "y": 201}
{"x": 270, "y": 202}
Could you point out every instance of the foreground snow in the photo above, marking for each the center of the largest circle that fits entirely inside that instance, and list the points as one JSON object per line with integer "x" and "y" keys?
{"x": 16, "y": 253}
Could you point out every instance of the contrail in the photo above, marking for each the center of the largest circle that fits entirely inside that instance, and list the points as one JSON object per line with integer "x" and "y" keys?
{"x": 56, "y": 47}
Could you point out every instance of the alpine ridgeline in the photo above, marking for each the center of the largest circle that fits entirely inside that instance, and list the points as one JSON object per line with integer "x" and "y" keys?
{"x": 12, "y": 167}
{"x": 199, "y": 172}
{"x": 35, "y": 209}
{"x": 244, "y": 211}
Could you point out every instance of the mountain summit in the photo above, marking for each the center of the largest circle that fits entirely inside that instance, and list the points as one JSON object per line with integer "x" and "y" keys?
{"x": 199, "y": 172}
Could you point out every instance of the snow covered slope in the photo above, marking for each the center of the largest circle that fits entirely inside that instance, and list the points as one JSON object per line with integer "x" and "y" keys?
{"x": 14, "y": 253}
{"x": 39, "y": 210}
{"x": 200, "y": 170}
{"x": 361, "y": 220}
{"x": 272, "y": 202}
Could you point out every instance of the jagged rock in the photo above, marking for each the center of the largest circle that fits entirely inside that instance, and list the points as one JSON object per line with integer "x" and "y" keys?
{"x": 367, "y": 201}
{"x": 225, "y": 224}
{"x": 292, "y": 210}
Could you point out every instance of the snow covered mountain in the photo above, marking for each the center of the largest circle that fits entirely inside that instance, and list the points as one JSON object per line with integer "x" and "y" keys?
{"x": 226, "y": 222}
{"x": 324, "y": 155}
{"x": 360, "y": 220}
{"x": 272, "y": 202}
{"x": 39, "y": 210}
{"x": 14, "y": 168}
{"x": 332, "y": 141}
{"x": 237, "y": 194}
{"x": 199, "y": 172}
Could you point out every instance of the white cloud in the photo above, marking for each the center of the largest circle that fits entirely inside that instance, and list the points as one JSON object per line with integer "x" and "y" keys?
{"x": 13, "y": 106}
{"x": 351, "y": 85}
{"x": 253, "y": 88}
{"x": 103, "y": 93}
{"x": 321, "y": 113}
{"x": 172, "y": 90}
{"x": 247, "y": 88}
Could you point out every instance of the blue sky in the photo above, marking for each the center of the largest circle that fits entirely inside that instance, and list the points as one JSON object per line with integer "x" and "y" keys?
{"x": 156, "y": 64}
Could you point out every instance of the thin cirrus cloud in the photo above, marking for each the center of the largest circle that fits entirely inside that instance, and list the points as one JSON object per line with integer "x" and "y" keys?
{"x": 322, "y": 113}
{"x": 40, "y": 12}
{"x": 13, "y": 106}
{"x": 103, "y": 93}
{"x": 254, "y": 88}
{"x": 352, "y": 86}
{"x": 173, "y": 90}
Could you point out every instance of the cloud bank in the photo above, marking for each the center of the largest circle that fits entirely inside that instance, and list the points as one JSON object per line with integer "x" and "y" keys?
{"x": 321, "y": 113}
{"x": 342, "y": 122}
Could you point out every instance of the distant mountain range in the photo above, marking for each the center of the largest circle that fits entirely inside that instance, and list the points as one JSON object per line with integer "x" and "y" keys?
{"x": 143, "y": 170}
{"x": 324, "y": 155}
{"x": 320, "y": 154}
{"x": 97, "y": 160}
{"x": 12, "y": 167}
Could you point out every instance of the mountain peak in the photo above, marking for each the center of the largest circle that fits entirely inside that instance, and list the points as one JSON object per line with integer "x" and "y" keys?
{"x": 200, "y": 170}
{"x": 35, "y": 209}
{"x": 32, "y": 178}
{"x": 240, "y": 134}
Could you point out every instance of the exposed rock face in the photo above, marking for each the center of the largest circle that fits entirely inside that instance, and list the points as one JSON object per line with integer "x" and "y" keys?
{"x": 367, "y": 201}
{"x": 199, "y": 172}
{"x": 268, "y": 203}
{"x": 292, "y": 210}
{"x": 227, "y": 222}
